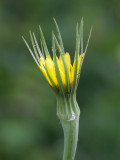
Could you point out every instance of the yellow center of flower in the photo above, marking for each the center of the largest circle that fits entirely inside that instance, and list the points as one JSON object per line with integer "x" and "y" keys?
{"x": 47, "y": 67}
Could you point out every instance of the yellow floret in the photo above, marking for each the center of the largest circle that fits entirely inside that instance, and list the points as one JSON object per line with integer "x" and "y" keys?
{"x": 51, "y": 69}
{"x": 47, "y": 66}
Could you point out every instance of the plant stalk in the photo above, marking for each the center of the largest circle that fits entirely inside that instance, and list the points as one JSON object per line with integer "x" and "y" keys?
{"x": 68, "y": 112}
{"x": 70, "y": 129}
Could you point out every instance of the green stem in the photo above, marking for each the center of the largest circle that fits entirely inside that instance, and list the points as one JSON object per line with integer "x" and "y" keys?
{"x": 68, "y": 112}
{"x": 70, "y": 129}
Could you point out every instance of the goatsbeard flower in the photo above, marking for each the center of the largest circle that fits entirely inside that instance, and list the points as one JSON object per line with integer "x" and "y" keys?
{"x": 63, "y": 77}
{"x": 47, "y": 67}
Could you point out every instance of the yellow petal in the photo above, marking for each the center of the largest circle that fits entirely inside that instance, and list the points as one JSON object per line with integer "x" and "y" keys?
{"x": 62, "y": 69}
{"x": 42, "y": 65}
{"x": 42, "y": 62}
{"x": 51, "y": 69}
{"x": 67, "y": 59}
{"x": 42, "y": 68}
{"x": 69, "y": 67}
{"x": 71, "y": 75}
{"x": 79, "y": 62}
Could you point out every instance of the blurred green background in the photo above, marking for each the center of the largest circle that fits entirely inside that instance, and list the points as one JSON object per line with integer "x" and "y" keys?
{"x": 29, "y": 128}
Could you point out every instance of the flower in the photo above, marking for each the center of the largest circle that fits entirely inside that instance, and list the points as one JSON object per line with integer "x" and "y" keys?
{"x": 47, "y": 65}
{"x": 62, "y": 76}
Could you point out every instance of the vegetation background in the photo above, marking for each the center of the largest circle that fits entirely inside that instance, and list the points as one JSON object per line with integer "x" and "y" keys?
{"x": 29, "y": 128}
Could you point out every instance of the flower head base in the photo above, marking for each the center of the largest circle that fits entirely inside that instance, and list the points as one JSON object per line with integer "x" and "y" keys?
{"x": 62, "y": 76}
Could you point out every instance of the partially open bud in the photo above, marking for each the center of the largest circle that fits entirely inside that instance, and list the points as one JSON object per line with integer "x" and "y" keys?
{"x": 63, "y": 77}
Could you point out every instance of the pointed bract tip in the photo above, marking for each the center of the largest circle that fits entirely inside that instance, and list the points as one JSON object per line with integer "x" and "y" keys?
{"x": 82, "y": 18}
{"x": 88, "y": 39}
{"x": 23, "y": 38}
{"x": 54, "y": 19}
{"x": 40, "y": 28}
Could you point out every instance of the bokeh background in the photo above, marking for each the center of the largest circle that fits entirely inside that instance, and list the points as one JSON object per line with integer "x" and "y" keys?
{"x": 29, "y": 128}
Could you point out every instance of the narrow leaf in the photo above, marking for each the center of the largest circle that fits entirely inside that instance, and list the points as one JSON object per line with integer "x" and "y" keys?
{"x": 59, "y": 36}
{"x": 65, "y": 66}
{"x": 76, "y": 58}
{"x": 82, "y": 58}
{"x": 81, "y": 41}
{"x": 30, "y": 51}
{"x": 43, "y": 42}
{"x": 61, "y": 87}
{"x": 38, "y": 48}
{"x": 43, "y": 53}
{"x": 81, "y": 35}
{"x": 88, "y": 40}
{"x": 34, "y": 46}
